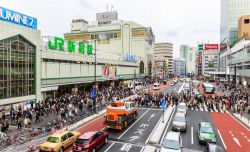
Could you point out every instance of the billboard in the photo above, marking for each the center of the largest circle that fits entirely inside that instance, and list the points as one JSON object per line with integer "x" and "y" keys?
{"x": 211, "y": 46}
{"x": 109, "y": 72}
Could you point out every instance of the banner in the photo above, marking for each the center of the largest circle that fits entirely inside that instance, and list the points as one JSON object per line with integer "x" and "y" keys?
{"x": 109, "y": 72}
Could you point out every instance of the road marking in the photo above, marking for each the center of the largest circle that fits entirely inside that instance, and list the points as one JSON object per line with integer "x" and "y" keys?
{"x": 126, "y": 147}
{"x": 132, "y": 124}
{"x": 133, "y": 138}
{"x": 151, "y": 116}
{"x": 205, "y": 107}
{"x": 242, "y": 133}
{"x": 109, "y": 146}
{"x": 237, "y": 141}
{"x": 222, "y": 139}
{"x": 192, "y": 137}
{"x": 139, "y": 131}
{"x": 164, "y": 134}
{"x": 215, "y": 108}
{"x": 248, "y": 140}
{"x": 154, "y": 128}
{"x": 126, "y": 130}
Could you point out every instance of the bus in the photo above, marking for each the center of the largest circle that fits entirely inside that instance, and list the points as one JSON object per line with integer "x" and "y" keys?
{"x": 207, "y": 89}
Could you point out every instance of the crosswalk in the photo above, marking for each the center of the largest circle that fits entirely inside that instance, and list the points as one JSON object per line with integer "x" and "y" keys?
{"x": 203, "y": 107}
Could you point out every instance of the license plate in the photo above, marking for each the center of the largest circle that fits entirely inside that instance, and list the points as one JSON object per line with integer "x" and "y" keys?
{"x": 79, "y": 148}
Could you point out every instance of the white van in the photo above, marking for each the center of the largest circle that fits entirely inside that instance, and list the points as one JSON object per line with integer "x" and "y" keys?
{"x": 156, "y": 86}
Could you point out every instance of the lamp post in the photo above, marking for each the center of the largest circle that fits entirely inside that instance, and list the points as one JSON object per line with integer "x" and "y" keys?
{"x": 95, "y": 62}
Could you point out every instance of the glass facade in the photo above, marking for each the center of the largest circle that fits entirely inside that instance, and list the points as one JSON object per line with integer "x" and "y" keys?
{"x": 17, "y": 67}
{"x": 231, "y": 11}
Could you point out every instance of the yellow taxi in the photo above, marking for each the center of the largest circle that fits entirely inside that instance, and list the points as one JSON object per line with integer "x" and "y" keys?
{"x": 59, "y": 141}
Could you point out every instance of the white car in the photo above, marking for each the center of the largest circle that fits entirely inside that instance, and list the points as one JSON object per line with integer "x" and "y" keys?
{"x": 172, "y": 142}
{"x": 179, "y": 122}
{"x": 156, "y": 86}
{"x": 182, "y": 108}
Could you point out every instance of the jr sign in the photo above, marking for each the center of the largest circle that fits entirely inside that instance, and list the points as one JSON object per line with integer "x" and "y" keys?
{"x": 58, "y": 44}
{"x": 17, "y": 18}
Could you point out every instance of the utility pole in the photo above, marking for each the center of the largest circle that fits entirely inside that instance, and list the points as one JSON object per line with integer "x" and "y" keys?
{"x": 95, "y": 62}
{"x": 235, "y": 88}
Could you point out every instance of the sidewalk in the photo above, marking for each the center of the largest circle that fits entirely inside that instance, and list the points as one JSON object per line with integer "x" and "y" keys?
{"x": 243, "y": 119}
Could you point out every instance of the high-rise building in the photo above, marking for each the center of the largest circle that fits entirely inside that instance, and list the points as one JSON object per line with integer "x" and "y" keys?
{"x": 244, "y": 27}
{"x": 231, "y": 11}
{"x": 179, "y": 66}
{"x": 163, "y": 56}
{"x": 189, "y": 54}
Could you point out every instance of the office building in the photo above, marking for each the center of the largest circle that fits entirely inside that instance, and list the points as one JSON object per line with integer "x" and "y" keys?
{"x": 231, "y": 11}
{"x": 179, "y": 66}
{"x": 115, "y": 37}
{"x": 163, "y": 58}
{"x": 244, "y": 27}
{"x": 189, "y": 54}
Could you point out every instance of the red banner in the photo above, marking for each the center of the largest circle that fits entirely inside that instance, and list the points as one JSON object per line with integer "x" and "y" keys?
{"x": 211, "y": 46}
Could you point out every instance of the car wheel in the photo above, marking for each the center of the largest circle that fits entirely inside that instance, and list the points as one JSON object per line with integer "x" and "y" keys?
{"x": 94, "y": 150}
{"x": 61, "y": 149}
{"x": 106, "y": 140}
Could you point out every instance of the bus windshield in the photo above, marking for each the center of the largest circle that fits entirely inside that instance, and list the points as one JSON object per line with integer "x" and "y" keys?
{"x": 209, "y": 90}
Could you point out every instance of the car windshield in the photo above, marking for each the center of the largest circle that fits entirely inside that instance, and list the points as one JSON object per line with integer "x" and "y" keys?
{"x": 171, "y": 144}
{"x": 182, "y": 107}
{"x": 179, "y": 118}
{"x": 156, "y": 85}
{"x": 206, "y": 130}
{"x": 82, "y": 141}
{"x": 53, "y": 139}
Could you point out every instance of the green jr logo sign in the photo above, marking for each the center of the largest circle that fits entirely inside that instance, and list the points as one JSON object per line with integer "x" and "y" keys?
{"x": 59, "y": 44}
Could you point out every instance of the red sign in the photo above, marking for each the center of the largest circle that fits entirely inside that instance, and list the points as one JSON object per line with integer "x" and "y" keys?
{"x": 211, "y": 46}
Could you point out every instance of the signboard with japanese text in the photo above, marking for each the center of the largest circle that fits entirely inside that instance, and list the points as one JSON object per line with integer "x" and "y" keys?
{"x": 109, "y": 72}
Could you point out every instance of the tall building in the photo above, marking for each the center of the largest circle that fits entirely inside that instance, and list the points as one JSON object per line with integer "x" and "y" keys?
{"x": 189, "y": 54}
{"x": 163, "y": 57}
{"x": 244, "y": 27}
{"x": 179, "y": 66}
{"x": 231, "y": 11}
{"x": 125, "y": 39}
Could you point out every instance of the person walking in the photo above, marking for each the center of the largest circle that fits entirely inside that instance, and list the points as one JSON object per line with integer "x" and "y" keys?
{"x": 19, "y": 123}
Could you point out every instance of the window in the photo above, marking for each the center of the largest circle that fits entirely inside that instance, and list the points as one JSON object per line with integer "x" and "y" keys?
{"x": 246, "y": 21}
{"x": 115, "y": 35}
{"x": 64, "y": 137}
{"x": 70, "y": 134}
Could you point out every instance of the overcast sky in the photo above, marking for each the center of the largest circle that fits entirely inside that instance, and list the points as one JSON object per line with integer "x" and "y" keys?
{"x": 175, "y": 21}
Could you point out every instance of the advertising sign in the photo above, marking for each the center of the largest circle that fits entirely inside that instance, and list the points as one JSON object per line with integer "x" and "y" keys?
{"x": 211, "y": 46}
{"x": 17, "y": 18}
{"x": 200, "y": 47}
{"x": 109, "y": 72}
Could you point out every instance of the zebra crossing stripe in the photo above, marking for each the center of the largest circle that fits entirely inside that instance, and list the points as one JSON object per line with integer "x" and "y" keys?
{"x": 205, "y": 107}
{"x": 215, "y": 108}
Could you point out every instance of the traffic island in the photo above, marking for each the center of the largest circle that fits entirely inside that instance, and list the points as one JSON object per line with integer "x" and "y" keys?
{"x": 159, "y": 131}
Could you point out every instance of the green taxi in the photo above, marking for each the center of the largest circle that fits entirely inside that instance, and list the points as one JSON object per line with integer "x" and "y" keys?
{"x": 206, "y": 133}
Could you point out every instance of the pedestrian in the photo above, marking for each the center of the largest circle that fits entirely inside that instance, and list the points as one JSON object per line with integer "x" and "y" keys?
{"x": 26, "y": 122}
{"x": 19, "y": 123}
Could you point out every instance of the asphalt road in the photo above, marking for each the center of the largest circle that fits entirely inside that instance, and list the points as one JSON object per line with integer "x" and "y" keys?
{"x": 171, "y": 89}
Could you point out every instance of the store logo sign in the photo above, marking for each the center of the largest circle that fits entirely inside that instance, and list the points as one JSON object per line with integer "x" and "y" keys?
{"x": 17, "y": 18}
{"x": 130, "y": 58}
{"x": 211, "y": 46}
{"x": 72, "y": 46}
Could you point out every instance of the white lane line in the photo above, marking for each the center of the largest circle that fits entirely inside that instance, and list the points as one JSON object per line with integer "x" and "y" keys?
{"x": 132, "y": 125}
{"x": 215, "y": 108}
{"x": 237, "y": 141}
{"x": 109, "y": 146}
{"x": 164, "y": 134}
{"x": 192, "y": 137}
{"x": 222, "y": 139}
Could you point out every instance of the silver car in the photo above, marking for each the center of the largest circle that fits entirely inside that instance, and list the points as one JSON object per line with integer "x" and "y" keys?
{"x": 172, "y": 142}
{"x": 182, "y": 108}
{"x": 179, "y": 122}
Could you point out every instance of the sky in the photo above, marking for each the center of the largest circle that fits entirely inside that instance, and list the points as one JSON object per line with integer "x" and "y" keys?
{"x": 176, "y": 21}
